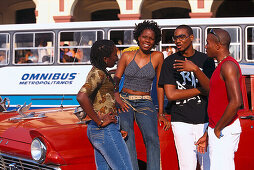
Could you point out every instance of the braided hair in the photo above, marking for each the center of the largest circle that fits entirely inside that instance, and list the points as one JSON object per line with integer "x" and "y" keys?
{"x": 99, "y": 50}
{"x": 151, "y": 25}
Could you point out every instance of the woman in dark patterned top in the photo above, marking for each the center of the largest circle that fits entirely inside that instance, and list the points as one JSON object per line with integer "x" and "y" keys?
{"x": 96, "y": 97}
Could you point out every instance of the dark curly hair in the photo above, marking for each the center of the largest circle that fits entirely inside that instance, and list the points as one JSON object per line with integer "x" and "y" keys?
{"x": 151, "y": 25}
{"x": 99, "y": 50}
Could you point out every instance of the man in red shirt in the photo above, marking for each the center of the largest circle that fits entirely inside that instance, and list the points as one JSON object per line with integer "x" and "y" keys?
{"x": 224, "y": 101}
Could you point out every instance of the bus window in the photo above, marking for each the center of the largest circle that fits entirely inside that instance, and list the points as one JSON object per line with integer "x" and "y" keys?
{"x": 236, "y": 38}
{"x": 197, "y": 39}
{"x": 34, "y": 48}
{"x": 168, "y": 45}
{"x": 123, "y": 39}
{"x": 250, "y": 43}
{"x": 75, "y": 46}
{"x": 167, "y": 42}
{"x": 4, "y": 48}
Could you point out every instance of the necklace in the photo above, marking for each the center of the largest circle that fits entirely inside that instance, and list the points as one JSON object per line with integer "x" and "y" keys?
{"x": 222, "y": 59}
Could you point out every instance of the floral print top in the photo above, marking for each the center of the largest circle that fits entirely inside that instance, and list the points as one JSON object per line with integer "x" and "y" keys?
{"x": 100, "y": 90}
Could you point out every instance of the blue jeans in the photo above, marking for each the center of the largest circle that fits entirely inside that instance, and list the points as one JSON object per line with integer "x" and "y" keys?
{"x": 110, "y": 149}
{"x": 146, "y": 118}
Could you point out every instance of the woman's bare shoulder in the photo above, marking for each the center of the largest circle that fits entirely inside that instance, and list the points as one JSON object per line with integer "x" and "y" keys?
{"x": 127, "y": 55}
{"x": 129, "y": 52}
{"x": 157, "y": 55}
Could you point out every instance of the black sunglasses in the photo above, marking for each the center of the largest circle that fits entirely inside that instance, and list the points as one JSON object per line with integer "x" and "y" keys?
{"x": 181, "y": 37}
{"x": 213, "y": 32}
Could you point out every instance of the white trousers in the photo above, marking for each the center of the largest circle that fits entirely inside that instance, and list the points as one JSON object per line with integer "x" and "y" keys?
{"x": 185, "y": 136}
{"x": 222, "y": 151}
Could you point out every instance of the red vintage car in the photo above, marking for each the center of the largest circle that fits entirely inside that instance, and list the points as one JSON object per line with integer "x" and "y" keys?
{"x": 55, "y": 139}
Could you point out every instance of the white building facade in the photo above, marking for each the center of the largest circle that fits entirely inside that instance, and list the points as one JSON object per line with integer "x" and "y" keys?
{"x": 50, "y": 11}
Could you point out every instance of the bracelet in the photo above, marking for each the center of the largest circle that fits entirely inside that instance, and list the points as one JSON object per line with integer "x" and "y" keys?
{"x": 116, "y": 88}
{"x": 101, "y": 123}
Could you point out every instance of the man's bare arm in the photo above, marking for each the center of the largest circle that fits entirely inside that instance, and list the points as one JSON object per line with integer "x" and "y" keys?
{"x": 179, "y": 94}
{"x": 230, "y": 74}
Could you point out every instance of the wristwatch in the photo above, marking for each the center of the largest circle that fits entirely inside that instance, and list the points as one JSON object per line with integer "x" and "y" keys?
{"x": 101, "y": 123}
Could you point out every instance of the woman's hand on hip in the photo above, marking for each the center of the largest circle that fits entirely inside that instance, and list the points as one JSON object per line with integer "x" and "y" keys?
{"x": 107, "y": 119}
{"x": 120, "y": 105}
{"x": 166, "y": 122}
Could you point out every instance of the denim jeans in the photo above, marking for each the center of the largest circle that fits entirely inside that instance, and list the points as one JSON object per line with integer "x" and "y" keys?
{"x": 110, "y": 149}
{"x": 146, "y": 118}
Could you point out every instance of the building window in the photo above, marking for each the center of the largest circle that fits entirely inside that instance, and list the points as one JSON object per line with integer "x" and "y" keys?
{"x": 25, "y": 16}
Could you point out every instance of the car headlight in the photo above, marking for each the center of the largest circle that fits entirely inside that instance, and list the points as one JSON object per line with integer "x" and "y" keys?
{"x": 38, "y": 150}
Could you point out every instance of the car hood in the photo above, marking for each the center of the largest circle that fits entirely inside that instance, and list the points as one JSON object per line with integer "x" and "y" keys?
{"x": 65, "y": 138}
{"x": 20, "y": 129}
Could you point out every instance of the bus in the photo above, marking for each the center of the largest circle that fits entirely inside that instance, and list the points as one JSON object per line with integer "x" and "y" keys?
{"x": 46, "y": 64}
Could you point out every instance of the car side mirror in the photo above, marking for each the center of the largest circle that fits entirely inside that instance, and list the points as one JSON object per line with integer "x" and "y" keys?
{"x": 4, "y": 104}
{"x": 80, "y": 114}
